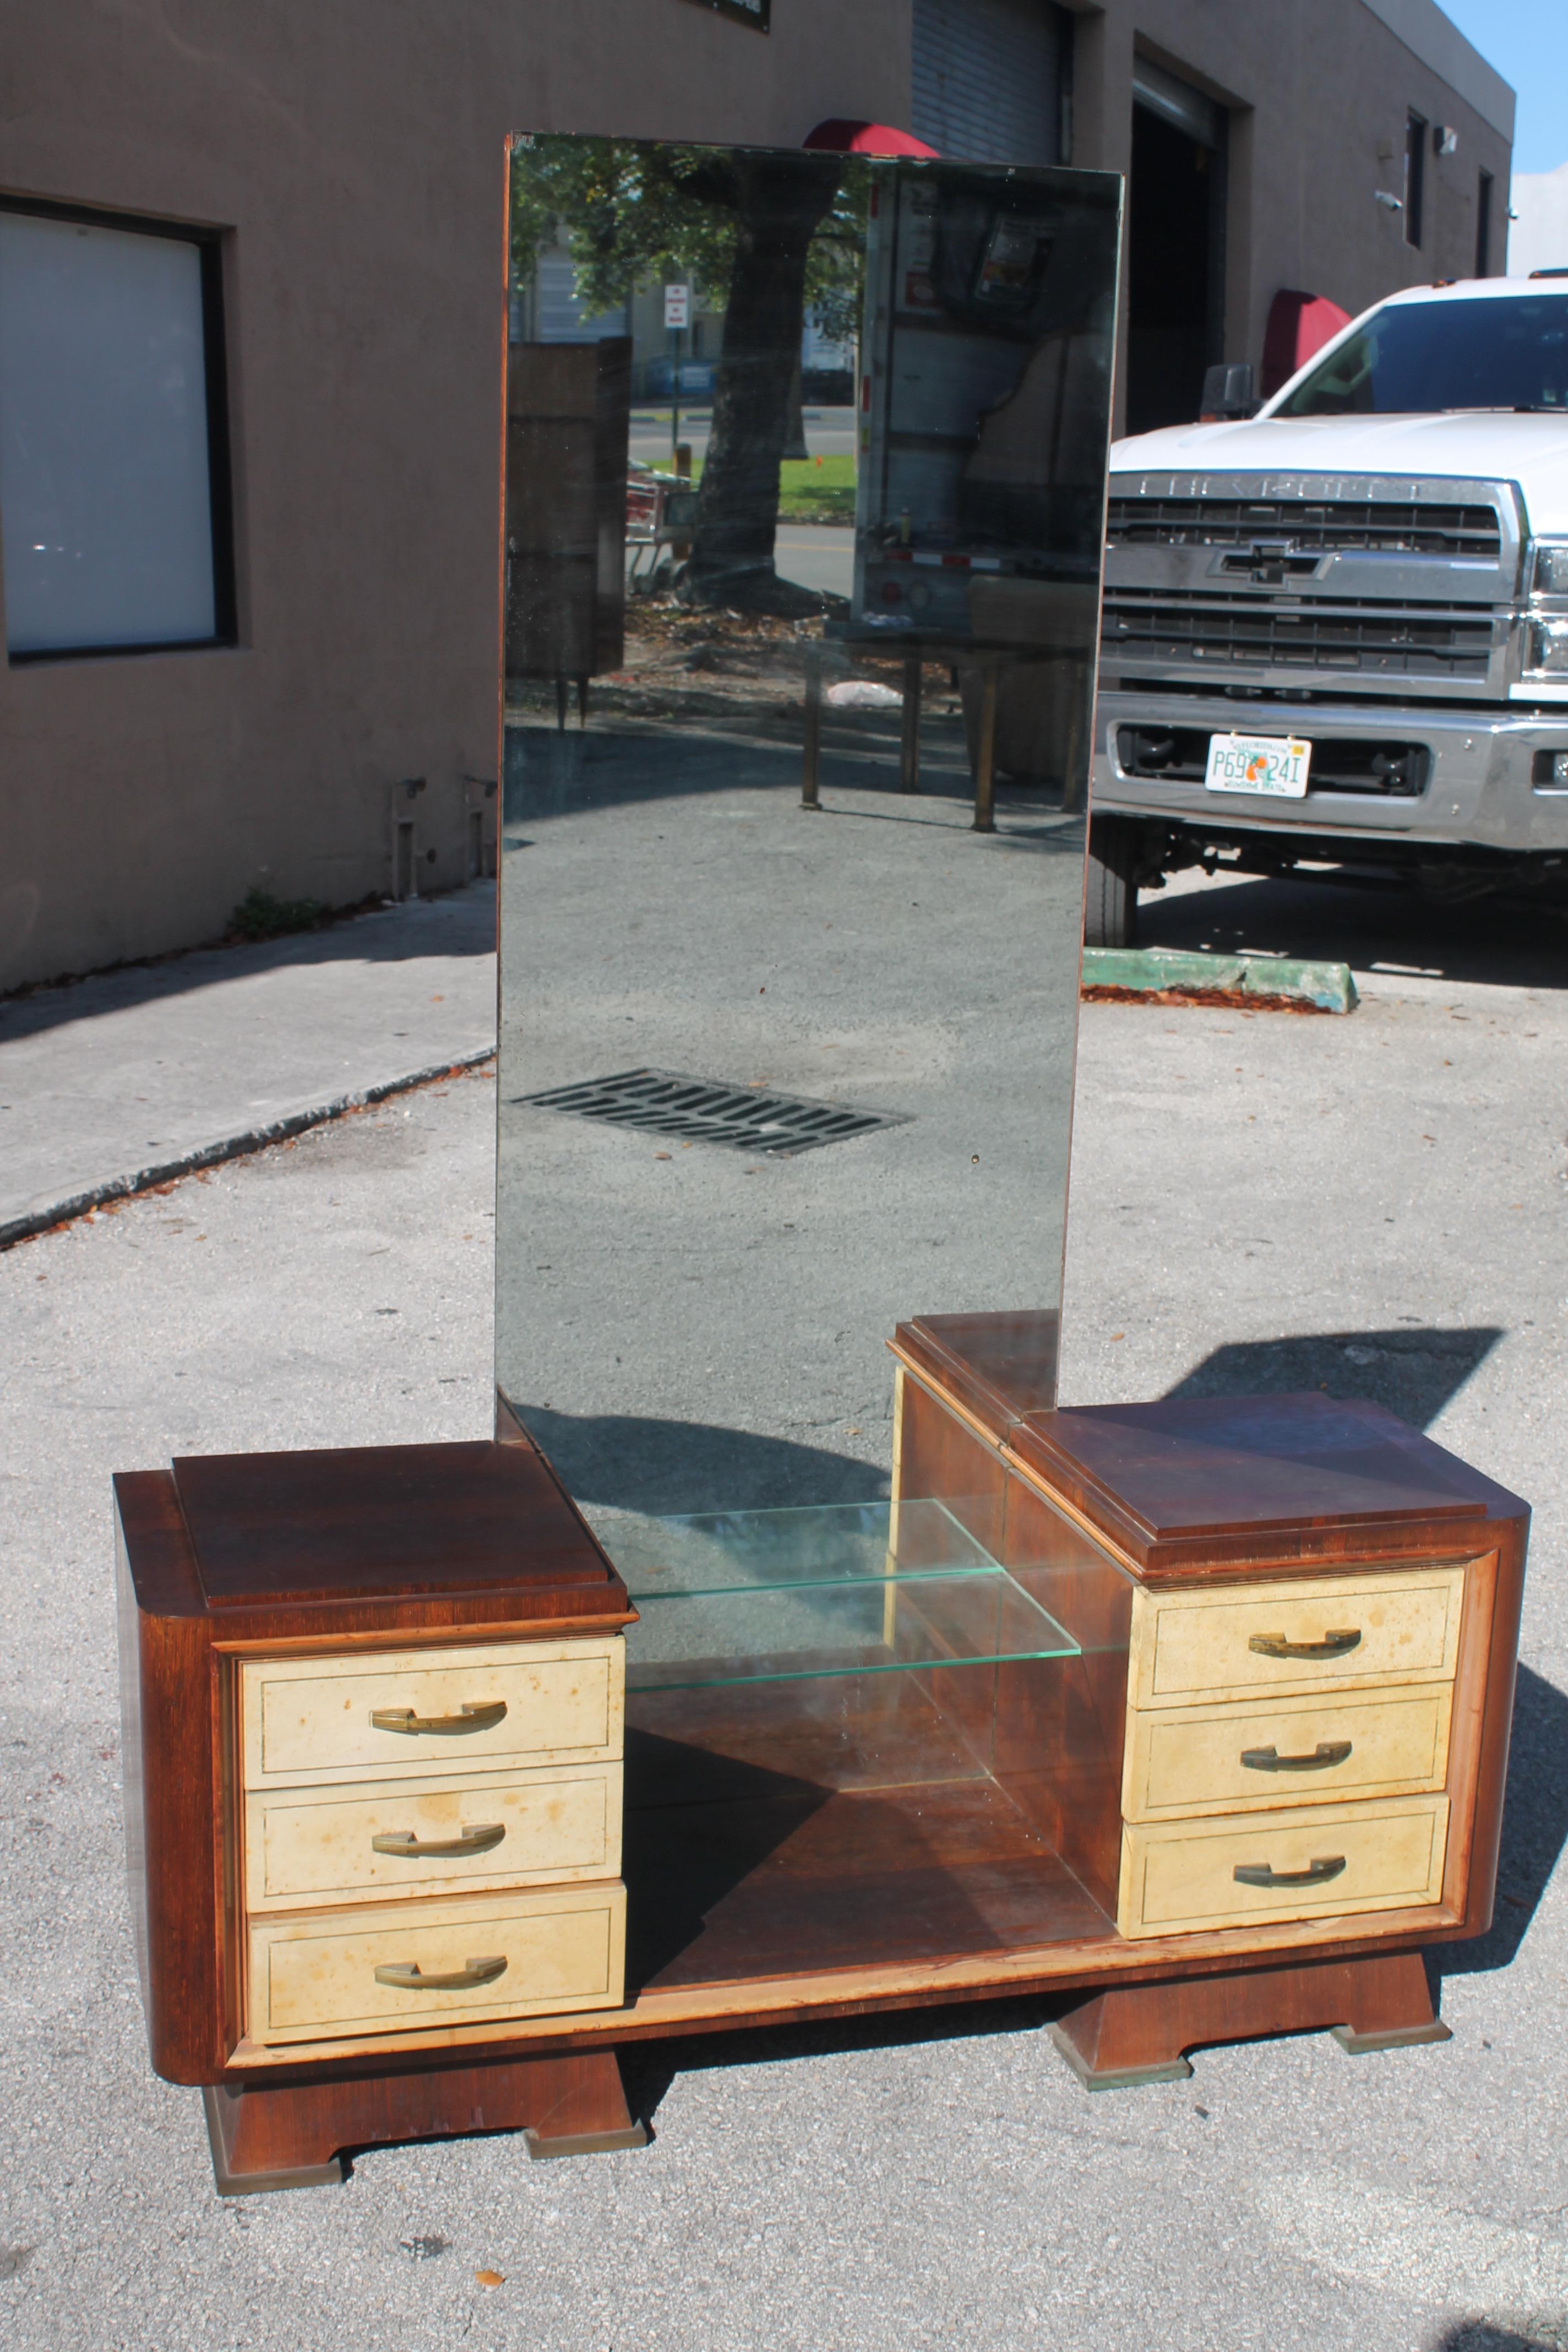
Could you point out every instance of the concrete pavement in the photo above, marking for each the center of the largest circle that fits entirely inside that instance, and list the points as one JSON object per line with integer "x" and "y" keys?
{"x": 114, "y": 1083}
{"x": 1375, "y": 1204}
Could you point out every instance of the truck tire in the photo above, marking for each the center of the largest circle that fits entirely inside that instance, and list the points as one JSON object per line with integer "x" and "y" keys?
{"x": 1110, "y": 903}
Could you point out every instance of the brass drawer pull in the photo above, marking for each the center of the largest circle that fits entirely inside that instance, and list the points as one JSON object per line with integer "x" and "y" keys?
{"x": 1258, "y": 1874}
{"x": 1328, "y": 1752}
{"x": 404, "y": 1843}
{"x": 1332, "y": 1645}
{"x": 404, "y": 1976}
{"x": 482, "y": 1716}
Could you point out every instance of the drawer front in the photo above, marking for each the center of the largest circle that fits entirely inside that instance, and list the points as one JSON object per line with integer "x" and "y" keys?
{"x": 1247, "y": 1640}
{"x": 1180, "y": 1877}
{"x": 313, "y": 1846}
{"x": 315, "y": 1975}
{"x": 306, "y": 1721}
{"x": 1269, "y": 1757}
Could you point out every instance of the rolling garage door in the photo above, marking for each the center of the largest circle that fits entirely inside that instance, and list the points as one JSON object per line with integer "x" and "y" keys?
{"x": 989, "y": 78}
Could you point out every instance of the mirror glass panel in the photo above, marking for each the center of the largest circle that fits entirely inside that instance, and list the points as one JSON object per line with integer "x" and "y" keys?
{"x": 806, "y": 469}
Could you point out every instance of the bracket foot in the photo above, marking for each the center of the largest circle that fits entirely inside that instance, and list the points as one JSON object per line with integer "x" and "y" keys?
{"x": 1132, "y": 2034}
{"x": 291, "y": 2136}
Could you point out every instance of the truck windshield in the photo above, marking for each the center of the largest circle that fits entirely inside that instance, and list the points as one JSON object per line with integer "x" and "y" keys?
{"x": 1421, "y": 359}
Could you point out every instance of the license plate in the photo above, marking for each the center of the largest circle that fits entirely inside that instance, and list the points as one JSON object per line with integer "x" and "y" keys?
{"x": 1275, "y": 765}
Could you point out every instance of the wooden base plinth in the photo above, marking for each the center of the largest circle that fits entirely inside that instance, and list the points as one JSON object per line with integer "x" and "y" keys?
{"x": 290, "y": 2137}
{"x": 1138, "y": 2033}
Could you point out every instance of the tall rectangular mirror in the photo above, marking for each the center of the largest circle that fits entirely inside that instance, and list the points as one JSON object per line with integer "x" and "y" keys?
{"x": 806, "y": 466}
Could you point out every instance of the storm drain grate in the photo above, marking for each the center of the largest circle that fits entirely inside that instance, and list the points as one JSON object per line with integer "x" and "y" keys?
{"x": 701, "y": 1110}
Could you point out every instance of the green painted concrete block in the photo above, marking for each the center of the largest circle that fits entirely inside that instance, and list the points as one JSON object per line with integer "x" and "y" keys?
{"x": 1144, "y": 971}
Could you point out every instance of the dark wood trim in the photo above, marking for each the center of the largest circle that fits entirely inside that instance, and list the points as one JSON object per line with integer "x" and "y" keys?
{"x": 172, "y": 1803}
{"x": 1496, "y": 1727}
{"x": 1062, "y": 1969}
{"x": 294, "y": 2137}
{"x": 1134, "y": 2034}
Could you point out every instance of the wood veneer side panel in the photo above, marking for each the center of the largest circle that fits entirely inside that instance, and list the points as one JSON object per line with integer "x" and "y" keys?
{"x": 134, "y": 1776}
{"x": 172, "y": 1801}
{"x": 1482, "y": 1829}
{"x": 938, "y": 1458}
{"x": 228, "y": 1844}
{"x": 1062, "y": 1726}
{"x": 941, "y": 1459}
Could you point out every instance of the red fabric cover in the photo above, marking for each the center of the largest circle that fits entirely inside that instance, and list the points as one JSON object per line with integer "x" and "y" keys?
{"x": 838, "y": 137}
{"x": 1299, "y": 325}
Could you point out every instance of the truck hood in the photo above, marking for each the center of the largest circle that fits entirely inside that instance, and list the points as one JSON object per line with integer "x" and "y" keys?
{"x": 1479, "y": 445}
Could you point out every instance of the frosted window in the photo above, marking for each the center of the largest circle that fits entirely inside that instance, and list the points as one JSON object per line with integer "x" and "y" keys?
{"x": 105, "y": 497}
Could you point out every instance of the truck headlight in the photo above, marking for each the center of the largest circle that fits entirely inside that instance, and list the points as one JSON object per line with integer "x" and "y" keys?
{"x": 1552, "y": 568}
{"x": 1549, "y": 645}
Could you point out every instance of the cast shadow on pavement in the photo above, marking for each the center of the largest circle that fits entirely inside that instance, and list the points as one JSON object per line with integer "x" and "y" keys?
{"x": 1534, "y": 1829}
{"x": 462, "y": 923}
{"x": 648, "y": 2069}
{"x": 1386, "y": 927}
{"x": 629, "y": 1462}
{"x": 1480, "y": 2336}
{"x": 1411, "y": 1369}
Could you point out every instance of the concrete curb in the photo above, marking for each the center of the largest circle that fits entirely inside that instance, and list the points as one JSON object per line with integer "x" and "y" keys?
{"x": 40, "y": 1215}
{"x": 1276, "y": 982}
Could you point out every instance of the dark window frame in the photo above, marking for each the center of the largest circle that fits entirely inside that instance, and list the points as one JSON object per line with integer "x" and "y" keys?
{"x": 1484, "y": 225}
{"x": 209, "y": 244}
{"x": 1066, "y": 63}
{"x": 1415, "y": 128}
{"x": 757, "y": 13}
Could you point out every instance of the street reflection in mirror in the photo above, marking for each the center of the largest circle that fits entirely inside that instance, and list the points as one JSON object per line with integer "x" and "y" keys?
{"x": 804, "y": 480}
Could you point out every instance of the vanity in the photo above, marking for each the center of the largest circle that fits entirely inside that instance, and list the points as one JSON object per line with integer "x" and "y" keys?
{"x": 714, "y": 1690}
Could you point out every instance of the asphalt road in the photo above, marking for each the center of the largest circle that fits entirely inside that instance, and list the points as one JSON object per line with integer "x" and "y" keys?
{"x": 816, "y": 556}
{"x": 829, "y": 432}
{"x": 1373, "y": 1205}
{"x": 819, "y": 555}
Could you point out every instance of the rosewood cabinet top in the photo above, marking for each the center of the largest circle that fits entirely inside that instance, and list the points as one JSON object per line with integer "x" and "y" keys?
{"x": 1187, "y": 1484}
{"x": 349, "y": 1534}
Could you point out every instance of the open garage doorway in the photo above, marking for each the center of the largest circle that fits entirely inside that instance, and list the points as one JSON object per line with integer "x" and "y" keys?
{"x": 1176, "y": 248}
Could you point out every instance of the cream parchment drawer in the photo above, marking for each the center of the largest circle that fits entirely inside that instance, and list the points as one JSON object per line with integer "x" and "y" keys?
{"x": 1254, "y": 1641}
{"x": 1178, "y": 1877}
{"x": 386, "y": 1838}
{"x": 312, "y": 1720}
{"x": 1273, "y": 1755}
{"x": 410, "y": 1966}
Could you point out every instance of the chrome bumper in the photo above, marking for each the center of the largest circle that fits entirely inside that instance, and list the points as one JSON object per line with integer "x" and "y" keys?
{"x": 1480, "y": 790}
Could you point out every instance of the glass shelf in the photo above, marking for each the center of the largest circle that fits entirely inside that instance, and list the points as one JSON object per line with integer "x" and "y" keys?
{"x": 838, "y": 1590}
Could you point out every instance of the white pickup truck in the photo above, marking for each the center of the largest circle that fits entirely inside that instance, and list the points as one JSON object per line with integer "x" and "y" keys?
{"x": 1335, "y": 632}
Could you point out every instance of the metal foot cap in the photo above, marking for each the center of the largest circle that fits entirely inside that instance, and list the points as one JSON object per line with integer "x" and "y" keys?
{"x": 1116, "y": 2078}
{"x": 1397, "y": 2037}
{"x": 584, "y": 2142}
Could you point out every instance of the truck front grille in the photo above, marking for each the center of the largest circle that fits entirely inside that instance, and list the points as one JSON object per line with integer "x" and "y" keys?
{"x": 1322, "y": 527}
{"x": 1251, "y": 635}
{"x": 1179, "y": 755}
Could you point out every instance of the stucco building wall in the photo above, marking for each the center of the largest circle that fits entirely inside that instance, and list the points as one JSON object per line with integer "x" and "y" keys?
{"x": 352, "y": 154}
{"x": 1316, "y": 94}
